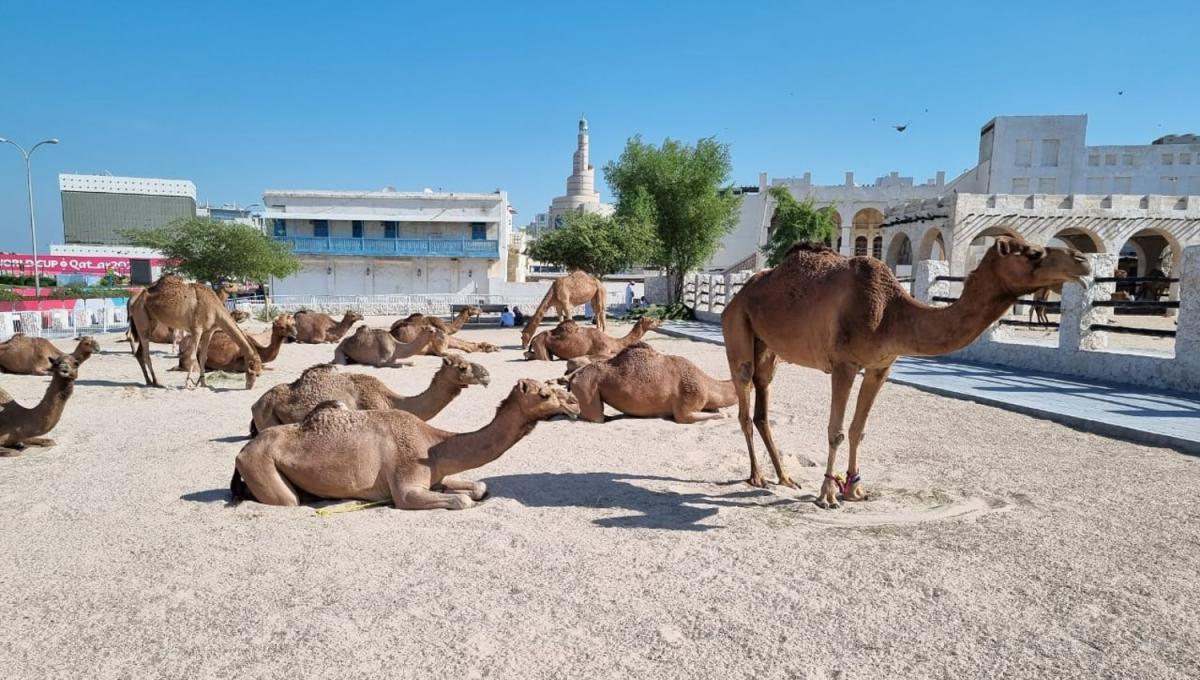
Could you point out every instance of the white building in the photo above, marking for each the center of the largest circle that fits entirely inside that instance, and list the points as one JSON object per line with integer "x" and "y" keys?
{"x": 386, "y": 242}
{"x": 1049, "y": 155}
{"x": 858, "y": 212}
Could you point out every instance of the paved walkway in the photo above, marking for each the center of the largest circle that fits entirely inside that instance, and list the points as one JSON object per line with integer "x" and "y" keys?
{"x": 1131, "y": 413}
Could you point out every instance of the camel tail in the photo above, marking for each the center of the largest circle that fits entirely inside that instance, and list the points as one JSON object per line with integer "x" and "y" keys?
{"x": 239, "y": 489}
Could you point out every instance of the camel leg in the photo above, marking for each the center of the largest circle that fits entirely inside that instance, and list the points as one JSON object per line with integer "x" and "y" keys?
{"x": 739, "y": 350}
{"x": 417, "y": 498}
{"x": 266, "y": 483}
{"x": 688, "y": 416}
{"x": 598, "y": 307}
{"x": 872, "y": 383}
{"x": 477, "y": 491}
{"x": 764, "y": 372}
{"x": 202, "y": 354}
{"x": 38, "y": 441}
{"x": 842, "y": 380}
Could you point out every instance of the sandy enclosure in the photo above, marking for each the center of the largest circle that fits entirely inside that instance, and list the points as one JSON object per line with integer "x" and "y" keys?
{"x": 997, "y": 545}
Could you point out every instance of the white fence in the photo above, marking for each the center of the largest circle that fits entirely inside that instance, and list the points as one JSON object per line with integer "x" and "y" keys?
{"x": 393, "y": 305}
{"x": 89, "y": 317}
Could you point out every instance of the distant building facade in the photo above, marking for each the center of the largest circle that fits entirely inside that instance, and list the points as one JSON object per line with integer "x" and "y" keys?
{"x": 1049, "y": 155}
{"x": 389, "y": 242}
{"x": 96, "y": 208}
{"x": 226, "y": 213}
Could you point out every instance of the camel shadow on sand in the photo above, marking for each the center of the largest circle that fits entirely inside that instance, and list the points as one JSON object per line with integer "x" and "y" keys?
{"x": 655, "y": 509}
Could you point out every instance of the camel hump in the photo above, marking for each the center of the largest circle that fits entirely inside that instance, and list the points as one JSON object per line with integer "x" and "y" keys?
{"x": 325, "y": 416}
{"x": 809, "y": 247}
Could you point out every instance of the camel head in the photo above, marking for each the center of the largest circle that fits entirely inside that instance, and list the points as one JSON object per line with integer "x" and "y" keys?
{"x": 474, "y": 310}
{"x": 646, "y": 324}
{"x": 64, "y": 367}
{"x": 352, "y": 316}
{"x": 284, "y": 326}
{"x": 239, "y": 315}
{"x": 527, "y": 335}
{"x": 438, "y": 341}
{"x": 87, "y": 347}
{"x": 539, "y": 400}
{"x": 465, "y": 372}
{"x": 1022, "y": 267}
{"x": 254, "y": 369}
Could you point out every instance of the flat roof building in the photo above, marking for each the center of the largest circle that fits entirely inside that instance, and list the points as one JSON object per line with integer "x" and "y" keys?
{"x": 96, "y": 208}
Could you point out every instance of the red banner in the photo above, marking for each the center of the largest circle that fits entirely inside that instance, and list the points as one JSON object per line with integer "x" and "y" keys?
{"x": 68, "y": 264}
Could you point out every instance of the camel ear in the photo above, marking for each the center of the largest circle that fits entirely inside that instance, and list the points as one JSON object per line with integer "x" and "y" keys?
{"x": 1004, "y": 245}
{"x": 445, "y": 361}
{"x": 525, "y": 386}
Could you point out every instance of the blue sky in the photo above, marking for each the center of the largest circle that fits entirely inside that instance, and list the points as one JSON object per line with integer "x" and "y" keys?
{"x": 242, "y": 97}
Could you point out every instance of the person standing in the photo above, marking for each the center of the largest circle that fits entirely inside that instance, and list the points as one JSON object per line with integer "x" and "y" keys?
{"x": 629, "y": 296}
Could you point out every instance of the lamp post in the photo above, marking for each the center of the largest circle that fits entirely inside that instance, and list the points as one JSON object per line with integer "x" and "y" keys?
{"x": 37, "y": 272}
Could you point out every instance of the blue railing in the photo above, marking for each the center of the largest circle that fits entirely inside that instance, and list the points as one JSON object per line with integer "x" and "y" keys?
{"x": 393, "y": 247}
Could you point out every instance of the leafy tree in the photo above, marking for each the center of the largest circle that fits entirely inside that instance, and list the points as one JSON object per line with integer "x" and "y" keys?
{"x": 217, "y": 252}
{"x": 596, "y": 244}
{"x": 683, "y": 191}
{"x": 795, "y": 221}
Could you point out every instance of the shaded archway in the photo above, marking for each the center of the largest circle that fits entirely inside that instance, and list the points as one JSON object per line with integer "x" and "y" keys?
{"x": 1083, "y": 240}
{"x": 933, "y": 246}
{"x": 900, "y": 255}
{"x": 866, "y": 225}
{"x": 1147, "y": 253}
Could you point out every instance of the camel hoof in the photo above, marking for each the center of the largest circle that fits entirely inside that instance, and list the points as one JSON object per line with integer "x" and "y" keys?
{"x": 480, "y": 492}
{"x": 462, "y": 502}
{"x": 856, "y": 493}
{"x": 827, "y": 504}
{"x": 789, "y": 482}
{"x": 758, "y": 482}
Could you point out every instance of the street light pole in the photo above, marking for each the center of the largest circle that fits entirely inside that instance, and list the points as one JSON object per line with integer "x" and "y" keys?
{"x": 37, "y": 272}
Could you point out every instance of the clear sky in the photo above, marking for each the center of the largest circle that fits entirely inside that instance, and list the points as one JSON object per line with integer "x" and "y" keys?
{"x": 242, "y": 97}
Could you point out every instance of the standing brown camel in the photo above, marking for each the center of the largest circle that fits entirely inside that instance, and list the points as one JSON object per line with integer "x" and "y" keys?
{"x": 565, "y": 294}
{"x": 569, "y": 340}
{"x": 315, "y": 328}
{"x": 837, "y": 314}
{"x": 387, "y": 455}
{"x": 161, "y": 334}
{"x": 34, "y": 356}
{"x": 21, "y": 426}
{"x": 194, "y": 308}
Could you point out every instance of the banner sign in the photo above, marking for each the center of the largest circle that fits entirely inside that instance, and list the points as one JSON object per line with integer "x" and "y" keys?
{"x": 69, "y": 264}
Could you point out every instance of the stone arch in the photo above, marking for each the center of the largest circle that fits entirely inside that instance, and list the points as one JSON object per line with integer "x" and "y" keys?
{"x": 900, "y": 253}
{"x": 933, "y": 246}
{"x": 1083, "y": 240}
{"x": 1149, "y": 250}
{"x": 984, "y": 240}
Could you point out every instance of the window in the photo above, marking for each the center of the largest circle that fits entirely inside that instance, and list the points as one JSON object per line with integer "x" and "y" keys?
{"x": 860, "y": 246}
{"x": 1049, "y": 153}
{"x": 356, "y": 229}
{"x": 1185, "y": 159}
{"x": 281, "y": 227}
{"x": 1047, "y": 185}
{"x": 1168, "y": 159}
{"x": 1024, "y": 153}
{"x": 1095, "y": 185}
{"x": 1020, "y": 185}
{"x": 1126, "y": 159}
{"x": 321, "y": 228}
{"x": 1110, "y": 159}
{"x": 877, "y": 248}
{"x": 1122, "y": 185}
{"x": 389, "y": 230}
{"x": 1094, "y": 159}
{"x": 478, "y": 231}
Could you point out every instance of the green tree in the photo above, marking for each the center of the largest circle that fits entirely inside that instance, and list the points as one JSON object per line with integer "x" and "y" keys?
{"x": 595, "y": 244}
{"x": 683, "y": 191}
{"x": 216, "y": 252}
{"x": 795, "y": 221}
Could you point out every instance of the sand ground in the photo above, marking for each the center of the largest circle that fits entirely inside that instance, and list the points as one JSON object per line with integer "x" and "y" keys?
{"x": 997, "y": 545}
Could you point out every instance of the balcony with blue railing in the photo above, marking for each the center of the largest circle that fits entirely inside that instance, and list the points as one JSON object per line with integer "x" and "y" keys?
{"x": 392, "y": 247}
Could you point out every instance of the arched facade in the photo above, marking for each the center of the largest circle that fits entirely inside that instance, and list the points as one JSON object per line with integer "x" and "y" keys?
{"x": 866, "y": 225}
{"x": 900, "y": 254}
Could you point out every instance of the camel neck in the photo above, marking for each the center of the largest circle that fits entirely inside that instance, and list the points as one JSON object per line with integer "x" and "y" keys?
{"x": 271, "y": 351}
{"x": 50, "y": 408}
{"x": 459, "y": 321}
{"x": 80, "y": 355}
{"x": 471, "y": 450}
{"x": 931, "y": 331}
{"x": 632, "y": 336}
{"x": 442, "y": 390}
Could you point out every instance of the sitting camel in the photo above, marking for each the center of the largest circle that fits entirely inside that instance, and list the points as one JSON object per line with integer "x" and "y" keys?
{"x": 224, "y": 354}
{"x": 376, "y": 347}
{"x": 35, "y": 356}
{"x": 450, "y": 328}
{"x": 21, "y": 426}
{"x": 570, "y": 340}
{"x": 641, "y": 382}
{"x": 380, "y": 455}
{"x": 565, "y": 294}
{"x": 407, "y": 330}
{"x": 192, "y": 307}
{"x": 839, "y": 315}
{"x": 315, "y": 328}
{"x": 289, "y": 403}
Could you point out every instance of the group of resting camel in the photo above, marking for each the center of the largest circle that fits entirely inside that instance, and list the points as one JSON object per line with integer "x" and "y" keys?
{"x": 338, "y": 435}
